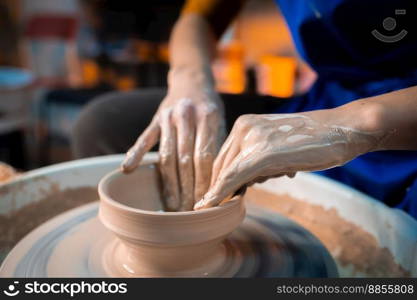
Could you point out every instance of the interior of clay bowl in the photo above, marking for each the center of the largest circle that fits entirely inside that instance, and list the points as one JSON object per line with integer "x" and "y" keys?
{"x": 132, "y": 206}
{"x": 140, "y": 190}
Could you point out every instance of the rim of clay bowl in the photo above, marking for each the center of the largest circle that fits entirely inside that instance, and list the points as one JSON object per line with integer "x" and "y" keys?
{"x": 104, "y": 196}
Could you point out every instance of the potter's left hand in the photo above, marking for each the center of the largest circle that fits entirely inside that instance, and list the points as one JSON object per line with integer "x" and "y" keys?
{"x": 264, "y": 146}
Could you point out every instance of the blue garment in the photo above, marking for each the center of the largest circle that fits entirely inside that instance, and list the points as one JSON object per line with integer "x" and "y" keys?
{"x": 334, "y": 37}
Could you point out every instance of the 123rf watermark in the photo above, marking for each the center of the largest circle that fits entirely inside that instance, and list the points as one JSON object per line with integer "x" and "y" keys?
{"x": 64, "y": 288}
{"x": 365, "y": 289}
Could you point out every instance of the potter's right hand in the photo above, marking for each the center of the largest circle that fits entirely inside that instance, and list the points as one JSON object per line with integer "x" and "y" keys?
{"x": 189, "y": 125}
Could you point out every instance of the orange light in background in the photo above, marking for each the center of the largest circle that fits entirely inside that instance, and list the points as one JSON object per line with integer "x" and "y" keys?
{"x": 229, "y": 69}
{"x": 144, "y": 50}
{"x": 276, "y": 76}
{"x": 163, "y": 53}
{"x": 125, "y": 83}
{"x": 90, "y": 73}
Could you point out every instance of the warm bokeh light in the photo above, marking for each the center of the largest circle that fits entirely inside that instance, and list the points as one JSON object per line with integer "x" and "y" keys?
{"x": 276, "y": 76}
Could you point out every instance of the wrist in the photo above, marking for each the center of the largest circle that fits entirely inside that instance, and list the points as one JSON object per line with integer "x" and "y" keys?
{"x": 362, "y": 115}
{"x": 193, "y": 83}
{"x": 196, "y": 75}
{"x": 364, "y": 119}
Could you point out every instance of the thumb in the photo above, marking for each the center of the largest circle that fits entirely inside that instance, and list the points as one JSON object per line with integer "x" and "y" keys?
{"x": 224, "y": 187}
{"x": 210, "y": 199}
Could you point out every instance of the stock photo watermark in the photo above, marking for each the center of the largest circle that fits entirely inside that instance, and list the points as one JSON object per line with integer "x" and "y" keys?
{"x": 389, "y": 24}
{"x": 72, "y": 289}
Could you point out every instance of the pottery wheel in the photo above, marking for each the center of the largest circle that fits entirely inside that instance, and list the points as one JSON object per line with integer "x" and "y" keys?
{"x": 266, "y": 244}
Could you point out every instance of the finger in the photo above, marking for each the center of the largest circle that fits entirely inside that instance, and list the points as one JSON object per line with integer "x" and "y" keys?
{"x": 143, "y": 144}
{"x": 228, "y": 158}
{"x": 228, "y": 182}
{"x": 168, "y": 162}
{"x": 218, "y": 163}
{"x": 205, "y": 150}
{"x": 210, "y": 136}
{"x": 184, "y": 117}
{"x": 260, "y": 179}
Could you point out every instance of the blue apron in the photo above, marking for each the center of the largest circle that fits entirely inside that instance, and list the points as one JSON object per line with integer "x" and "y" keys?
{"x": 360, "y": 49}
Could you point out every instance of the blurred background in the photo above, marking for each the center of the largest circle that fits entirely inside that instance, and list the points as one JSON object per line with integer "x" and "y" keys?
{"x": 57, "y": 55}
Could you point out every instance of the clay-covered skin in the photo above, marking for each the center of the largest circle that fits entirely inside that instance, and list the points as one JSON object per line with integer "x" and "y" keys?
{"x": 189, "y": 125}
{"x": 190, "y": 121}
{"x": 264, "y": 146}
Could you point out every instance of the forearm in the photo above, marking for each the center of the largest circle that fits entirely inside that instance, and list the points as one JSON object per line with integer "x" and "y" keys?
{"x": 264, "y": 146}
{"x": 391, "y": 117}
{"x": 192, "y": 47}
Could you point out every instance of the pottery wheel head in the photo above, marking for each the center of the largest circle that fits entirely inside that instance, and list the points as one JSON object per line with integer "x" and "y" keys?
{"x": 264, "y": 245}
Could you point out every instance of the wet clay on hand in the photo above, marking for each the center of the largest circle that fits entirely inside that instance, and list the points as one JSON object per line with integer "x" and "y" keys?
{"x": 190, "y": 126}
{"x": 264, "y": 146}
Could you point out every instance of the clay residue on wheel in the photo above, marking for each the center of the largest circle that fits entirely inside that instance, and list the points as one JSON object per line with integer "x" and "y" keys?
{"x": 17, "y": 224}
{"x": 348, "y": 243}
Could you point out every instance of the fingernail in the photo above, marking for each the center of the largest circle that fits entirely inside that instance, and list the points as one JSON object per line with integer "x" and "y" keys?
{"x": 198, "y": 205}
{"x": 201, "y": 204}
{"x": 127, "y": 162}
{"x": 207, "y": 198}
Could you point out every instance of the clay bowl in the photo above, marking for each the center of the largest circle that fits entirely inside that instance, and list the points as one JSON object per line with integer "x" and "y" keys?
{"x": 154, "y": 243}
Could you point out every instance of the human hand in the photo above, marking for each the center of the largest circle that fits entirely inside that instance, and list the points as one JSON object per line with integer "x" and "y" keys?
{"x": 264, "y": 146}
{"x": 190, "y": 128}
